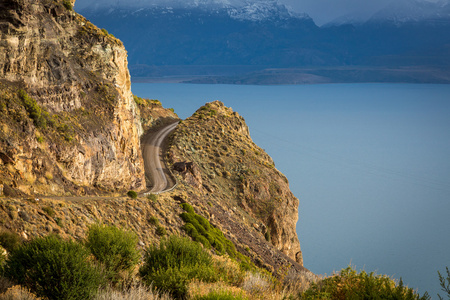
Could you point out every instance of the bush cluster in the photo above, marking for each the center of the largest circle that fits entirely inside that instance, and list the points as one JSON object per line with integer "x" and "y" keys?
{"x": 349, "y": 284}
{"x": 53, "y": 268}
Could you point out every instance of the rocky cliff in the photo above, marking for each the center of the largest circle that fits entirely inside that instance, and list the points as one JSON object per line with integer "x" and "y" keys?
{"x": 69, "y": 123}
{"x": 216, "y": 160}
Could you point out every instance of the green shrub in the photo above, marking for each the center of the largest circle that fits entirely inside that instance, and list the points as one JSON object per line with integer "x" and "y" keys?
{"x": 187, "y": 207}
{"x": 132, "y": 194}
{"x": 10, "y": 240}
{"x": 53, "y": 268}
{"x": 445, "y": 283}
{"x": 161, "y": 231}
{"x": 49, "y": 211}
{"x": 152, "y": 197}
{"x": 152, "y": 220}
{"x": 116, "y": 249}
{"x": 35, "y": 112}
{"x": 171, "y": 266}
{"x": 200, "y": 230}
{"x": 348, "y": 284}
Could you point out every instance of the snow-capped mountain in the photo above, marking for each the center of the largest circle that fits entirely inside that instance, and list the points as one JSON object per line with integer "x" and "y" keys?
{"x": 401, "y": 11}
{"x": 252, "y": 10}
{"x": 167, "y": 37}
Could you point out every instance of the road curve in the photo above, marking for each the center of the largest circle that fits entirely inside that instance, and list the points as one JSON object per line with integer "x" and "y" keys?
{"x": 155, "y": 169}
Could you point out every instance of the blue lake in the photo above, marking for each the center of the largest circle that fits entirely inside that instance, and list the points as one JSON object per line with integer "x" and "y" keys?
{"x": 370, "y": 164}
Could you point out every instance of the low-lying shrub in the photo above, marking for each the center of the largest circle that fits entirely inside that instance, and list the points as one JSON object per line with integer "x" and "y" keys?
{"x": 10, "y": 240}
{"x": 132, "y": 194}
{"x": 53, "y": 268}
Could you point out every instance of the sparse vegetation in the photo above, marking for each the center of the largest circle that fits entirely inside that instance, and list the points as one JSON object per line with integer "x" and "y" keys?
{"x": 152, "y": 220}
{"x": 160, "y": 230}
{"x": 146, "y": 102}
{"x": 34, "y": 111}
{"x": 221, "y": 295}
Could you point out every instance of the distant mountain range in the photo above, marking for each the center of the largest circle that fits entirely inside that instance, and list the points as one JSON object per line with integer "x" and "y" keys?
{"x": 236, "y": 40}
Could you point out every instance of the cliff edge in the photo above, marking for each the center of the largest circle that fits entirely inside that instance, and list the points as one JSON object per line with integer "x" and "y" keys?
{"x": 69, "y": 124}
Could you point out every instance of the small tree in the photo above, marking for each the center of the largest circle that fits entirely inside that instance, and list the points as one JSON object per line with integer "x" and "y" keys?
{"x": 445, "y": 283}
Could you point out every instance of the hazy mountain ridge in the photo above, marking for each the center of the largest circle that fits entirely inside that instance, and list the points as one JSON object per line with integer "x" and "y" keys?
{"x": 170, "y": 41}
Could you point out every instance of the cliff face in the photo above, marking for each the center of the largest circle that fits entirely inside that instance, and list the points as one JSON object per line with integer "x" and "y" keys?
{"x": 216, "y": 159}
{"x": 68, "y": 118}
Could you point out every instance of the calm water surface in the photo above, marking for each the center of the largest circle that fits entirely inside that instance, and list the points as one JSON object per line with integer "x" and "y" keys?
{"x": 370, "y": 164}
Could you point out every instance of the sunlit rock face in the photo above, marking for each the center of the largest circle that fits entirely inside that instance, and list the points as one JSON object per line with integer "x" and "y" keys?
{"x": 78, "y": 77}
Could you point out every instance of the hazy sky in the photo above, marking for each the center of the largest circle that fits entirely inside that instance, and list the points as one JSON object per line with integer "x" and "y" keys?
{"x": 322, "y": 11}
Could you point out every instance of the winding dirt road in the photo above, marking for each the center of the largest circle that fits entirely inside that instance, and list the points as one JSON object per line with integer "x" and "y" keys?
{"x": 156, "y": 172}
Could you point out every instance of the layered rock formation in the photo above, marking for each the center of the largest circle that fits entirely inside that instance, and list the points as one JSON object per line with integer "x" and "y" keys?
{"x": 69, "y": 121}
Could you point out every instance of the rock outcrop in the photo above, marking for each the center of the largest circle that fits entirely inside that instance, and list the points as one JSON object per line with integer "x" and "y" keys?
{"x": 237, "y": 176}
{"x": 68, "y": 119}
